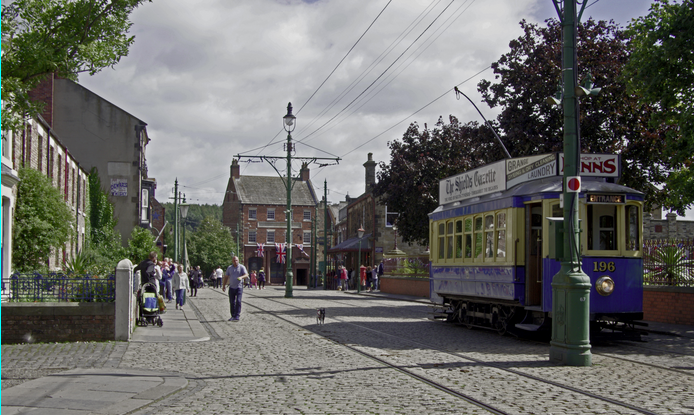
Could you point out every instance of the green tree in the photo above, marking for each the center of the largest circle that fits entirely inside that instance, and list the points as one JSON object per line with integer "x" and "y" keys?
{"x": 409, "y": 184}
{"x": 64, "y": 37}
{"x": 211, "y": 245}
{"x": 140, "y": 244}
{"x": 613, "y": 122}
{"x": 660, "y": 72}
{"x": 104, "y": 249}
{"x": 43, "y": 221}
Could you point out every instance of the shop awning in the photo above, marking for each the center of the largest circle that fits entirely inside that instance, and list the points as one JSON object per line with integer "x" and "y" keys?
{"x": 352, "y": 245}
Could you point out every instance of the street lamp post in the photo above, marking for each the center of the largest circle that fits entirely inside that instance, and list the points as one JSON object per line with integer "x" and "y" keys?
{"x": 360, "y": 234}
{"x": 571, "y": 286}
{"x": 289, "y": 125}
{"x": 183, "y": 207}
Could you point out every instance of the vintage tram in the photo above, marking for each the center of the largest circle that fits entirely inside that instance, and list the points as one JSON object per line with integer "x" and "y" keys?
{"x": 492, "y": 249}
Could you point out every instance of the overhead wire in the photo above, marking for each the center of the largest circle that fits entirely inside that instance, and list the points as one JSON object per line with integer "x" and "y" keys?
{"x": 392, "y": 77}
{"x": 382, "y": 73}
{"x": 329, "y": 75}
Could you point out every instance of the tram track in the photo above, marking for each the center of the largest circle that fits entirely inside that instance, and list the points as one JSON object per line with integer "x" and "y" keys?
{"x": 458, "y": 355}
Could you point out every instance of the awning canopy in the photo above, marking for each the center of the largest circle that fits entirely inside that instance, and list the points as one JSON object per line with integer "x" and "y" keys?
{"x": 352, "y": 245}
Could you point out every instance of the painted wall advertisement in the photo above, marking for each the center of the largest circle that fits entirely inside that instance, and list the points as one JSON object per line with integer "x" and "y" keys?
{"x": 488, "y": 179}
{"x": 119, "y": 187}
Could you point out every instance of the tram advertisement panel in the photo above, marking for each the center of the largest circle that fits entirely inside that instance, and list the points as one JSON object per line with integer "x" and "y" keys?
{"x": 484, "y": 180}
{"x": 525, "y": 169}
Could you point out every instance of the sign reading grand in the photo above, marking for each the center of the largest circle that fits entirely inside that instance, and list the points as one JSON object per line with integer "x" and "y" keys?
{"x": 525, "y": 169}
{"x": 484, "y": 180}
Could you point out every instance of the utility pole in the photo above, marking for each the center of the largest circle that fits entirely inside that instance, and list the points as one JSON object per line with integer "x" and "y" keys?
{"x": 570, "y": 343}
{"x": 175, "y": 198}
{"x": 325, "y": 236}
{"x": 289, "y": 125}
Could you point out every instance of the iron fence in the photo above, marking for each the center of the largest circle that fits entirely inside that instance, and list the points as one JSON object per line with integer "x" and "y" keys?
{"x": 35, "y": 287}
{"x": 668, "y": 263}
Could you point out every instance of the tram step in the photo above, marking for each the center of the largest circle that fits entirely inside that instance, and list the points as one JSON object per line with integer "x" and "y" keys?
{"x": 528, "y": 327}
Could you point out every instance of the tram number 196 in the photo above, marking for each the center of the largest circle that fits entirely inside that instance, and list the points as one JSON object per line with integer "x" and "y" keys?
{"x": 603, "y": 266}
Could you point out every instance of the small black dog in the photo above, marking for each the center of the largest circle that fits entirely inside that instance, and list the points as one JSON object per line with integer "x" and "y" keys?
{"x": 320, "y": 316}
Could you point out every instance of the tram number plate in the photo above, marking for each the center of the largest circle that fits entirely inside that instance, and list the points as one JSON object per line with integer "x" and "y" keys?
{"x": 603, "y": 266}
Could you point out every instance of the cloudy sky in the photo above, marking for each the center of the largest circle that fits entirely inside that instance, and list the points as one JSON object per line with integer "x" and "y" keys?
{"x": 212, "y": 79}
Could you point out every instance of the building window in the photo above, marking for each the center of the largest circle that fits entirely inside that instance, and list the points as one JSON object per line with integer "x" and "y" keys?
{"x": 271, "y": 214}
{"x": 307, "y": 215}
{"x": 252, "y": 237}
{"x": 307, "y": 238}
{"x": 391, "y": 217}
{"x": 144, "y": 215}
{"x": 41, "y": 154}
{"x": 253, "y": 214}
{"x": 271, "y": 237}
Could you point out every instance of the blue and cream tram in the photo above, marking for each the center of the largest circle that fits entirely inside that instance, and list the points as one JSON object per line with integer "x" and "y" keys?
{"x": 492, "y": 250}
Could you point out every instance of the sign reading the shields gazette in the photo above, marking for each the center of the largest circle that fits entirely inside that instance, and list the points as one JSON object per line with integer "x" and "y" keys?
{"x": 484, "y": 180}
{"x": 525, "y": 169}
{"x": 119, "y": 187}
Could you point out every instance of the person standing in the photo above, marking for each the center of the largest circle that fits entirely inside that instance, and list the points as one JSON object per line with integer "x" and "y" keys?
{"x": 234, "y": 277}
{"x": 377, "y": 272}
{"x": 147, "y": 269}
{"x": 254, "y": 280}
{"x": 181, "y": 285}
{"x": 193, "y": 279}
{"x": 199, "y": 282}
{"x": 261, "y": 279}
{"x": 220, "y": 274}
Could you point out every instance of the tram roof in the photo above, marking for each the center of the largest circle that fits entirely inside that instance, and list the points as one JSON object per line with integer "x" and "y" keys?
{"x": 547, "y": 188}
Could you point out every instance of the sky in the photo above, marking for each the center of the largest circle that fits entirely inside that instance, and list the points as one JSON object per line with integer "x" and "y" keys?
{"x": 212, "y": 80}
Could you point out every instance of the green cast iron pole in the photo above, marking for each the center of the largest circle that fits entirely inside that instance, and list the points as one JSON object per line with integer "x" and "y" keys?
{"x": 570, "y": 343}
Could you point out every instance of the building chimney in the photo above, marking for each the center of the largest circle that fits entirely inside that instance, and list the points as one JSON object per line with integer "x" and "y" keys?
{"x": 44, "y": 92}
{"x": 235, "y": 169}
{"x": 304, "y": 173}
{"x": 370, "y": 167}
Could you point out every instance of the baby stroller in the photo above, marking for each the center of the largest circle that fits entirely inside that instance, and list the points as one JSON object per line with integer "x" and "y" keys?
{"x": 148, "y": 306}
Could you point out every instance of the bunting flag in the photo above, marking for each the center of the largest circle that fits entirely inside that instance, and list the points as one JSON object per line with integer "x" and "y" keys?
{"x": 260, "y": 251}
{"x": 281, "y": 253}
{"x": 301, "y": 248}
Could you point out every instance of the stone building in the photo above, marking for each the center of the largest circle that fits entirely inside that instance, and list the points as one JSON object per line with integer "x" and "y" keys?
{"x": 38, "y": 147}
{"x": 372, "y": 215}
{"x": 254, "y": 208}
{"x": 102, "y": 135}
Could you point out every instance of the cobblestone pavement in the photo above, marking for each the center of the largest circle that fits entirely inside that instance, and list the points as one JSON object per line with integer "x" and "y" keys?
{"x": 277, "y": 360}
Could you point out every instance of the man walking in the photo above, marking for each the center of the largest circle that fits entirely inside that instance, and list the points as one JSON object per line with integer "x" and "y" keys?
{"x": 234, "y": 277}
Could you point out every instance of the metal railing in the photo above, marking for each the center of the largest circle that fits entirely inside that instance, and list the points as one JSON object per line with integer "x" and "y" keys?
{"x": 35, "y": 287}
{"x": 668, "y": 263}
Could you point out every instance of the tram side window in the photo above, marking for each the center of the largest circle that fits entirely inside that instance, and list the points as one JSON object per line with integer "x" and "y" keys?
{"x": 602, "y": 227}
{"x": 501, "y": 235}
{"x": 459, "y": 239}
{"x": 468, "y": 238}
{"x": 632, "y": 228}
{"x": 489, "y": 236}
{"x": 442, "y": 239}
{"x": 449, "y": 237}
{"x": 479, "y": 235}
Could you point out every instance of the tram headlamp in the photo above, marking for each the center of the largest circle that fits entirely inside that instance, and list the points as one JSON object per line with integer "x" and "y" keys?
{"x": 604, "y": 285}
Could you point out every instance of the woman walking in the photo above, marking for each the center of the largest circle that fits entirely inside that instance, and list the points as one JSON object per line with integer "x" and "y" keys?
{"x": 261, "y": 279}
{"x": 181, "y": 286}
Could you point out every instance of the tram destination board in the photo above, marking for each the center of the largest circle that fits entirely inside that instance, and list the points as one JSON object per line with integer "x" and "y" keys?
{"x": 602, "y": 198}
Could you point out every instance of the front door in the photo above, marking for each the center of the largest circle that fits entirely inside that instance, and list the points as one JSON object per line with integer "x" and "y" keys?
{"x": 533, "y": 260}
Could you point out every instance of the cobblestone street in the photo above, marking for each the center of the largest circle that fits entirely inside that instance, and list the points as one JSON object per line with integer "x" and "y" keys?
{"x": 373, "y": 355}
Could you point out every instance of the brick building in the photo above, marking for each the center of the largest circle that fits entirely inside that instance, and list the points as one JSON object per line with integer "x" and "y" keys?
{"x": 102, "y": 135}
{"x": 38, "y": 147}
{"x": 254, "y": 208}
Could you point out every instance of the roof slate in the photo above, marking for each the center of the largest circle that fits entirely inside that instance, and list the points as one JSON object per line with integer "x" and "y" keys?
{"x": 268, "y": 190}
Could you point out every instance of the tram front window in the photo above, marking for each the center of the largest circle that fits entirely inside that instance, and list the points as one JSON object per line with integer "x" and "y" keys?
{"x": 602, "y": 227}
{"x": 632, "y": 218}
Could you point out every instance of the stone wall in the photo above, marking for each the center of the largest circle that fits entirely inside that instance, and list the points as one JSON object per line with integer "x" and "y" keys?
{"x": 668, "y": 228}
{"x": 57, "y": 322}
